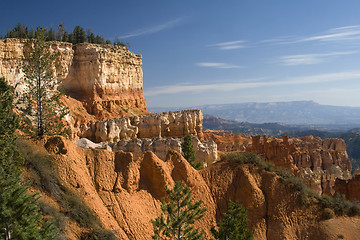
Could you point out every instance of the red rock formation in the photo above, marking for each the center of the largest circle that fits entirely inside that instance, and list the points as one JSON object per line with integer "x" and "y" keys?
{"x": 274, "y": 150}
{"x": 125, "y": 194}
{"x": 228, "y": 142}
{"x": 304, "y": 152}
{"x": 350, "y": 188}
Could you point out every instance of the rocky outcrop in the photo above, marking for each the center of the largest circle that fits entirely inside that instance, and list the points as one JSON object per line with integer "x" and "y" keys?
{"x": 126, "y": 194}
{"x": 304, "y": 152}
{"x": 108, "y": 80}
{"x": 166, "y": 124}
{"x": 350, "y": 188}
{"x": 228, "y": 142}
{"x": 319, "y": 162}
{"x": 206, "y": 151}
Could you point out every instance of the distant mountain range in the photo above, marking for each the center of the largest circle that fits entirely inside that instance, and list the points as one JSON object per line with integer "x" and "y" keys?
{"x": 296, "y": 114}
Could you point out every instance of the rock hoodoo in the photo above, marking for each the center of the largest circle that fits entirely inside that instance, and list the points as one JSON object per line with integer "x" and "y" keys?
{"x": 206, "y": 151}
{"x": 154, "y": 125}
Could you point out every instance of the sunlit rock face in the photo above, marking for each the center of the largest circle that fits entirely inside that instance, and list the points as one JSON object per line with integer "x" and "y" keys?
{"x": 107, "y": 79}
{"x": 166, "y": 124}
{"x": 14, "y": 52}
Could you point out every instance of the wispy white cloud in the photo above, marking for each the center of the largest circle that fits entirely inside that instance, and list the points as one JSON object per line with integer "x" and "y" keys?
{"x": 345, "y": 33}
{"x": 307, "y": 59}
{"x": 218, "y": 65}
{"x": 336, "y": 34}
{"x": 154, "y": 29}
{"x": 229, "y": 45}
{"x": 252, "y": 83}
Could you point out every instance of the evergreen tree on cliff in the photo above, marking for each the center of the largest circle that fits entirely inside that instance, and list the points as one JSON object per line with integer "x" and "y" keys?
{"x": 79, "y": 35}
{"x": 19, "y": 212}
{"x": 188, "y": 152}
{"x": 41, "y": 97}
{"x": 234, "y": 224}
{"x": 180, "y": 215}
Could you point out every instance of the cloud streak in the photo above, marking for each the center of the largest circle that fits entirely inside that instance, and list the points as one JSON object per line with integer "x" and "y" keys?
{"x": 345, "y": 33}
{"x": 337, "y": 34}
{"x": 229, "y": 45}
{"x": 308, "y": 59}
{"x": 252, "y": 83}
{"x": 218, "y": 65}
{"x": 154, "y": 29}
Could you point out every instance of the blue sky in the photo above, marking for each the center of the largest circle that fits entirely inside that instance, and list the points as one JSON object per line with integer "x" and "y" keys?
{"x": 213, "y": 52}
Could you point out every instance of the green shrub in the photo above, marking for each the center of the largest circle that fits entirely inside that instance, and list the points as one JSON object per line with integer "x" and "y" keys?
{"x": 328, "y": 213}
{"x": 340, "y": 236}
{"x": 354, "y": 210}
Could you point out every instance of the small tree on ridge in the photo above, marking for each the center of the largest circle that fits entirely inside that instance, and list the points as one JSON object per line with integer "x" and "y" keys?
{"x": 188, "y": 152}
{"x": 234, "y": 224}
{"x": 179, "y": 214}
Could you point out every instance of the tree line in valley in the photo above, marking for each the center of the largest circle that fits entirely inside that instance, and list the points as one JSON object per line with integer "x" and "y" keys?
{"x": 78, "y": 35}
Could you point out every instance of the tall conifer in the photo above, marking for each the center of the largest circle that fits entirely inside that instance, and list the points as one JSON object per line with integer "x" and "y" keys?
{"x": 42, "y": 99}
{"x": 179, "y": 215}
{"x": 19, "y": 211}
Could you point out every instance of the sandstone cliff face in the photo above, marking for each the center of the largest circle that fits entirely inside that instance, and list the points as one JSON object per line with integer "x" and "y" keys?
{"x": 107, "y": 80}
{"x": 166, "y": 124}
{"x": 13, "y": 52}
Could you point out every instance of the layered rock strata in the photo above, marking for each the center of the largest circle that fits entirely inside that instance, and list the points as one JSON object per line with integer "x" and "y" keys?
{"x": 13, "y": 52}
{"x": 206, "y": 151}
{"x": 108, "y": 80}
{"x": 166, "y": 124}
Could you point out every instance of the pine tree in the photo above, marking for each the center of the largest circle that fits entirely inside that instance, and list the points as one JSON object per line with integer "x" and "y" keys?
{"x": 234, "y": 224}
{"x": 51, "y": 35}
{"x": 65, "y": 37}
{"x": 79, "y": 35}
{"x": 41, "y": 94}
{"x": 180, "y": 214}
{"x": 188, "y": 152}
{"x": 19, "y": 212}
